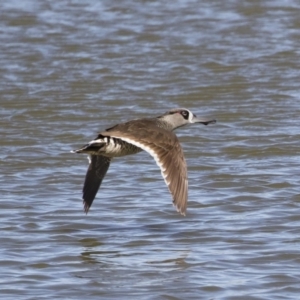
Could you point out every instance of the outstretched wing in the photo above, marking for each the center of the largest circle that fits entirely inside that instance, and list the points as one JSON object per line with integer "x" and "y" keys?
{"x": 164, "y": 147}
{"x": 96, "y": 171}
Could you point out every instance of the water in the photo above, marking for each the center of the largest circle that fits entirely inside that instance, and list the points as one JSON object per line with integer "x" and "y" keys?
{"x": 72, "y": 68}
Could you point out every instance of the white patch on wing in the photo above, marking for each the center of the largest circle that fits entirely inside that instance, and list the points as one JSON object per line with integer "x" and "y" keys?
{"x": 97, "y": 141}
{"x": 111, "y": 147}
{"x": 89, "y": 157}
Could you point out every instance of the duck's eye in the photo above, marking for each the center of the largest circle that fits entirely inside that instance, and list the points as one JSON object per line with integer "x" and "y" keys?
{"x": 185, "y": 114}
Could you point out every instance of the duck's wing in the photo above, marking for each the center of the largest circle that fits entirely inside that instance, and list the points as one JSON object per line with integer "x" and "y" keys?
{"x": 96, "y": 171}
{"x": 164, "y": 147}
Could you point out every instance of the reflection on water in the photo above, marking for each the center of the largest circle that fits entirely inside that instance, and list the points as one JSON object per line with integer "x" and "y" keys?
{"x": 71, "y": 69}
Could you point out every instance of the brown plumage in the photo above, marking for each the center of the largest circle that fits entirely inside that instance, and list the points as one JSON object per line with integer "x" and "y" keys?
{"x": 164, "y": 147}
{"x": 153, "y": 135}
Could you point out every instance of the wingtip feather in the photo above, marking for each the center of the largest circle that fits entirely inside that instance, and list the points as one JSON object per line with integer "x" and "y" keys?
{"x": 86, "y": 207}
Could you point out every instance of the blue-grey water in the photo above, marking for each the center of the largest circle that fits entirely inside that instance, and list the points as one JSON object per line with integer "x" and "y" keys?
{"x": 69, "y": 69}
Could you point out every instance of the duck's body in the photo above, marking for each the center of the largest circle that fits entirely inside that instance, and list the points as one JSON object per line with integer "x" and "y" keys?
{"x": 153, "y": 135}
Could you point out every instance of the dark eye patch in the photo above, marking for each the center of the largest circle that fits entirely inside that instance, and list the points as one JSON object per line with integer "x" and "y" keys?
{"x": 185, "y": 114}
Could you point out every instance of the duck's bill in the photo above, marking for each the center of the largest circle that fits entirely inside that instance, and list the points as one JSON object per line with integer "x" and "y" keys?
{"x": 204, "y": 120}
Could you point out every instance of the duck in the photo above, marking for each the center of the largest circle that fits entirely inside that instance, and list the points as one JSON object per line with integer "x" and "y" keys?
{"x": 154, "y": 135}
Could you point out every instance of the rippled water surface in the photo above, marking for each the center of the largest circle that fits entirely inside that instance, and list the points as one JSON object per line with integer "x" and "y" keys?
{"x": 69, "y": 69}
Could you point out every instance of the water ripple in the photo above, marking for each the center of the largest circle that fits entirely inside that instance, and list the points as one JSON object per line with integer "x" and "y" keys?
{"x": 71, "y": 69}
